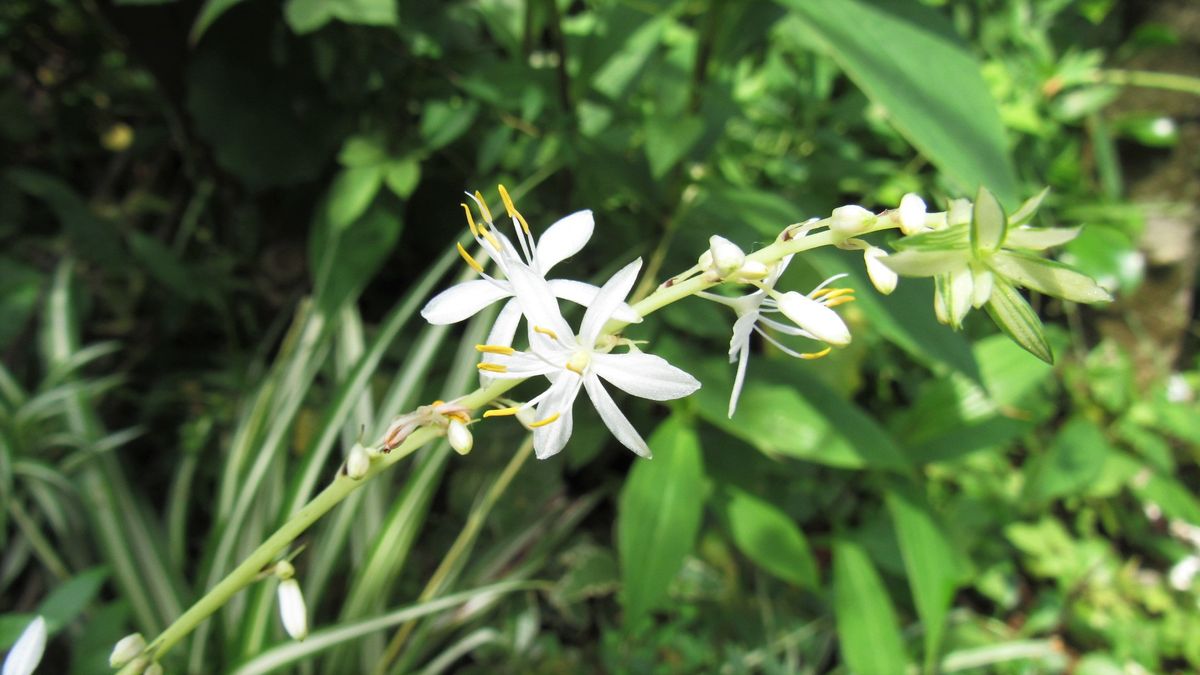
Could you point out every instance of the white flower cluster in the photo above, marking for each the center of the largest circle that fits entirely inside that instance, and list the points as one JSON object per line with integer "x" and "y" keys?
{"x": 570, "y": 360}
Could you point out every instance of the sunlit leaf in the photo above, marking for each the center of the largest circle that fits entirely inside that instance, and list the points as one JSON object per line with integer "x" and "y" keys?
{"x": 868, "y": 632}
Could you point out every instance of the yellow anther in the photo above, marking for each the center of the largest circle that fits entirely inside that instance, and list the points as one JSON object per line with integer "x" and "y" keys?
{"x": 470, "y": 220}
{"x": 839, "y": 292}
{"x": 512, "y": 209}
{"x": 546, "y": 331}
{"x": 460, "y": 416}
{"x": 487, "y": 215}
{"x": 542, "y": 423}
{"x": 492, "y": 367}
{"x": 839, "y": 301}
{"x": 490, "y": 237}
{"x": 470, "y": 261}
{"x": 574, "y": 368}
{"x": 495, "y": 349}
{"x": 816, "y": 355}
{"x": 437, "y": 403}
{"x": 501, "y": 412}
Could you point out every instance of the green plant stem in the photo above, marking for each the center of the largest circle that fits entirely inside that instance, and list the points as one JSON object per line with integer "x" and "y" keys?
{"x": 1149, "y": 79}
{"x": 42, "y": 547}
{"x": 253, "y": 566}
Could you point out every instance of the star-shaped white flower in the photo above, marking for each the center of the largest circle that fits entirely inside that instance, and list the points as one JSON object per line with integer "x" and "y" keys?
{"x": 561, "y": 240}
{"x": 812, "y": 315}
{"x": 572, "y": 361}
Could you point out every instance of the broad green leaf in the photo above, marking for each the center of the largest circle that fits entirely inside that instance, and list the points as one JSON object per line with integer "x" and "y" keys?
{"x": 1049, "y": 277}
{"x": 92, "y": 237}
{"x": 930, "y": 562}
{"x": 20, "y": 288}
{"x": 305, "y": 16}
{"x": 68, "y": 600}
{"x": 615, "y": 76}
{"x": 209, "y": 13}
{"x": 668, "y": 140}
{"x": 868, "y": 631}
{"x": 402, "y": 176}
{"x": 988, "y": 222}
{"x": 770, "y": 538}
{"x": 443, "y": 122}
{"x": 1173, "y": 497}
{"x": 1017, "y": 319}
{"x": 659, "y": 515}
{"x": 351, "y": 193}
{"x": 785, "y": 410}
{"x": 362, "y": 150}
{"x": 349, "y": 256}
{"x": 907, "y": 58}
{"x": 1074, "y": 460}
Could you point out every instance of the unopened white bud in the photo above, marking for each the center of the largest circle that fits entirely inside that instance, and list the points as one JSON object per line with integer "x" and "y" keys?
{"x": 753, "y": 270}
{"x": 153, "y": 669}
{"x": 822, "y": 322}
{"x": 459, "y": 437}
{"x": 882, "y": 276}
{"x": 26, "y": 652}
{"x": 850, "y": 220}
{"x": 912, "y": 214}
{"x": 725, "y": 256}
{"x": 960, "y": 212}
{"x": 358, "y": 462}
{"x": 126, "y": 650}
{"x": 292, "y": 610}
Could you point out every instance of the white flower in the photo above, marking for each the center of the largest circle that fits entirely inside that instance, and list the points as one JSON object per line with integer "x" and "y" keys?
{"x": 572, "y": 361}
{"x": 811, "y": 313}
{"x": 561, "y": 240}
{"x": 912, "y": 214}
{"x": 26, "y": 652}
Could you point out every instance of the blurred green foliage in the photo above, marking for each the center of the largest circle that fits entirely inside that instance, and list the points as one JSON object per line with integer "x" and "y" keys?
{"x": 219, "y": 219}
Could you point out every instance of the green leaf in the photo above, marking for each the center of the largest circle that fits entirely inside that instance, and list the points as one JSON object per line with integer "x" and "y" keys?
{"x": 1017, "y": 319}
{"x": 402, "y": 176}
{"x": 770, "y": 538}
{"x": 444, "y": 121}
{"x": 70, "y": 599}
{"x": 348, "y": 256}
{"x": 659, "y": 516}
{"x": 1049, "y": 277}
{"x": 868, "y": 631}
{"x": 908, "y": 59}
{"x": 93, "y": 237}
{"x": 209, "y": 13}
{"x": 668, "y": 140}
{"x": 930, "y": 562}
{"x": 362, "y": 150}
{"x": 988, "y": 222}
{"x": 351, "y": 193}
{"x": 784, "y": 410}
{"x": 615, "y": 76}
{"x": 20, "y": 288}
{"x": 305, "y": 16}
{"x": 1071, "y": 464}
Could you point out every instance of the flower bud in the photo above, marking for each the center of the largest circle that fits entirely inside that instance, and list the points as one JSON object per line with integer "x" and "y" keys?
{"x": 724, "y": 256}
{"x": 960, "y": 212}
{"x": 822, "y": 322}
{"x": 753, "y": 270}
{"x": 848, "y": 221}
{"x": 882, "y": 276}
{"x": 284, "y": 570}
{"x": 26, "y": 652}
{"x": 358, "y": 462}
{"x": 126, "y": 650}
{"x": 153, "y": 669}
{"x": 292, "y": 610}
{"x": 459, "y": 437}
{"x": 912, "y": 214}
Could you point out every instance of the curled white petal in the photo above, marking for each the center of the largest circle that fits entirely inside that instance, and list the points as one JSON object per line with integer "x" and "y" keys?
{"x": 614, "y": 419}
{"x": 464, "y": 301}
{"x": 564, "y": 239}
{"x": 292, "y": 611}
{"x": 26, "y": 652}
{"x": 882, "y": 277}
{"x": 645, "y": 376}
{"x": 912, "y": 214}
{"x": 812, "y": 316}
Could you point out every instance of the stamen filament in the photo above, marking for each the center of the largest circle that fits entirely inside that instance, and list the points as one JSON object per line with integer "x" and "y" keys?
{"x": 548, "y": 420}
{"x": 492, "y": 367}
{"x": 495, "y": 349}
{"x": 470, "y": 261}
{"x": 502, "y": 412}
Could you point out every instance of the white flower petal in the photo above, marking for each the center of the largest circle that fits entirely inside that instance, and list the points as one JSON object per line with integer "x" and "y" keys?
{"x": 812, "y": 316}
{"x": 610, "y": 297}
{"x": 644, "y": 375}
{"x": 614, "y": 419}
{"x": 882, "y": 277}
{"x": 463, "y": 301}
{"x": 564, "y": 239}
{"x": 739, "y": 378}
{"x": 960, "y": 291}
{"x": 912, "y": 214}
{"x": 982, "y": 288}
{"x": 524, "y": 364}
{"x": 537, "y": 301}
{"x": 550, "y": 439}
{"x": 741, "y": 334}
{"x": 912, "y": 263}
{"x": 292, "y": 610}
{"x": 584, "y": 294}
{"x": 26, "y": 652}
{"x": 1040, "y": 238}
{"x": 502, "y": 333}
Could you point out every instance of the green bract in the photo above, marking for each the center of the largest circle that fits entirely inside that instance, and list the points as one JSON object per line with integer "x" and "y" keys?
{"x": 980, "y": 261}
